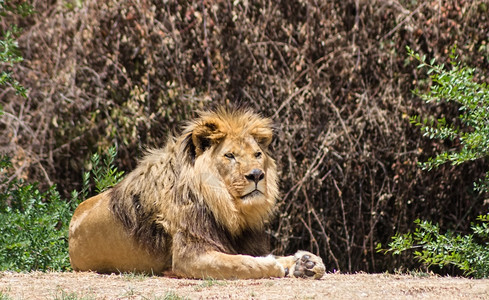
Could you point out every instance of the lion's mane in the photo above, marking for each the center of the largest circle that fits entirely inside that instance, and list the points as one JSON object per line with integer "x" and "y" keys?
{"x": 170, "y": 194}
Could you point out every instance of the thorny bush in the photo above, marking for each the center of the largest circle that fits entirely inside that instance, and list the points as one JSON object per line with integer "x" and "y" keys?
{"x": 332, "y": 75}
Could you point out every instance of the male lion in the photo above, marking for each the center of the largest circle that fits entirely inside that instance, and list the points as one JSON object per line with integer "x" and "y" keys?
{"x": 195, "y": 208}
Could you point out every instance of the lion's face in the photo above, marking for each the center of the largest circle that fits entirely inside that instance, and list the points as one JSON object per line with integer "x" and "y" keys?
{"x": 239, "y": 167}
{"x": 236, "y": 175}
{"x": 241, "y": 164}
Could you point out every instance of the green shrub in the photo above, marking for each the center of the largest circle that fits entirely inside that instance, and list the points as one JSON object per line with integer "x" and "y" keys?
{"x": 9, "y": 51}
{"x": 35, "y": 224}
{"x": 456, "y": 85}
{"x": 469, "y": 253}
{"x": 106, "y": 175}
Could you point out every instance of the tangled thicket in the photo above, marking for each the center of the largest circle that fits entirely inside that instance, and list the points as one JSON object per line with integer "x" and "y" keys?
{"x": 333, "y": 75}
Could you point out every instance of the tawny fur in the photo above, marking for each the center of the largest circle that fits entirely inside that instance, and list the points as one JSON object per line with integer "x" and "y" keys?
{"x": 196, "y": 208}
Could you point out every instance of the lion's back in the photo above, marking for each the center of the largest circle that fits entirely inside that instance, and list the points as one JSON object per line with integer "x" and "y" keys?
{"x": 99, "y": 242}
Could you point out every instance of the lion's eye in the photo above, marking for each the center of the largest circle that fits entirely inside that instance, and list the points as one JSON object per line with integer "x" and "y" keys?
{"x": 229, "y": 155}
{"x": 258, "y": 154}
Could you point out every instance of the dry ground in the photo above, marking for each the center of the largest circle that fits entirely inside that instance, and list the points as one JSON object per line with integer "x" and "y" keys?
{"x": 332, "y": 286}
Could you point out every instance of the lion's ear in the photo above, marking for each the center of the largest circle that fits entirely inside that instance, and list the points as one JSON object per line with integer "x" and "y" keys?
{"x": 263, "y": 136}
{"x": 206, "y": 135}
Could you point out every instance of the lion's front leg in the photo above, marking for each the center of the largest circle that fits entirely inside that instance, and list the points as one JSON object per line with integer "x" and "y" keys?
{"x": 303, "y": 264}
{"x": 219, "y": 265}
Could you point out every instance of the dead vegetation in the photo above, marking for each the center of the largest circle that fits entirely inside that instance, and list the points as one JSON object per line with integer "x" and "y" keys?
{"x": 69, "y": 285}
{"x": 333, "y": 75}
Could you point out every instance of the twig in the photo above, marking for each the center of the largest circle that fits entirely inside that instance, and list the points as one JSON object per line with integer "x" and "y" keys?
{"x": 338, "y": 115}
{"x": 403, "y": 21}
{"x": 313, "y": 239}
{"x": 318, "y": 160}
{"x": 286, "y": 101}
{"x": 326, "y": 238}
{"x": 206, "y": 46}
{"x": 347, "y": 235}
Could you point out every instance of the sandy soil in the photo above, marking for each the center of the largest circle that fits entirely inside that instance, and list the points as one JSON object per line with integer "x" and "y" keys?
{"x": 332, "y": 286}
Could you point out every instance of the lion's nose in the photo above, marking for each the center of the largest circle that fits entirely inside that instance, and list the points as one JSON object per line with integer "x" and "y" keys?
{"x": 255, "y": 175}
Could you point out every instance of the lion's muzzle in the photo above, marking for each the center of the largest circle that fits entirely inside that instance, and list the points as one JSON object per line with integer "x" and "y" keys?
{"x": 256, "y": 175}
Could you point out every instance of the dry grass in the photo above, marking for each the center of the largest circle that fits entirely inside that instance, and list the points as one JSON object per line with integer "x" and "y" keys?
{"x": 331, "y": 286}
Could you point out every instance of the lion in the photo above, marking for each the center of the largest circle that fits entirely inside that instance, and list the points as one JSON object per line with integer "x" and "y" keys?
{"x": 196, "y": 208}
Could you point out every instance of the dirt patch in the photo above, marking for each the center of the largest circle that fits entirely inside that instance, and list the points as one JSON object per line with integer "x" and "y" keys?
{"x": 333, "y": 286}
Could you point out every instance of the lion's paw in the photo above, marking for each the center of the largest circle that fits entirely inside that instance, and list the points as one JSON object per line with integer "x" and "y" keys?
{"x": 307, "y": 265}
